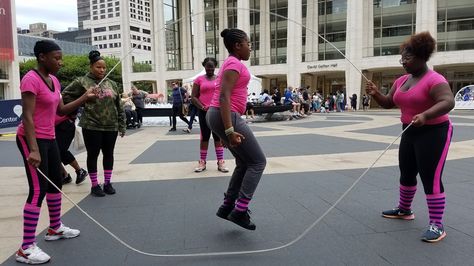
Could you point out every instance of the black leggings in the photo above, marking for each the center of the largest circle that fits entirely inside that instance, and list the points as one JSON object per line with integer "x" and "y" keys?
{"x": 423, "y": 151}
{"x": 96, "y": 141}
{"x": 205, "y": 130}
{"x": 178, "y": 111}
{"x": 65, "y": 132}
{"x": 50, "y": 165}
{"x": 139, "y": 114}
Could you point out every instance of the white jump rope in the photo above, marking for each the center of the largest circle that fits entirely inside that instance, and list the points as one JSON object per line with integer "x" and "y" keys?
{"x": 245, "y": 252}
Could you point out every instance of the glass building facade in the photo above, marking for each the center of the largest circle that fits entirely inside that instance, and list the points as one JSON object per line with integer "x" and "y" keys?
{"x": 211, "y": 29}
{"x": 278, "y": 31}
{"x": 332, "y": 17}
{"x": 394, "y": 22}
{"x": 172, "y": 30}
{"x": 455, "y": 25}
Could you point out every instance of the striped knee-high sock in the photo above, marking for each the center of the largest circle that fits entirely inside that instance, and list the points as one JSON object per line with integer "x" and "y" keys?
{"x": 107, "y": 176}
{"x": 436, "y": 204}
{"x": 54, "y": 208}
{"x": 93, "y": 176}
{"x": 30, "y": 221}
{"x": 203, "y": 155}
{"x": 406, "y": 197}
{"x": 220, "y": 153}
{"x": 242, "y": 204}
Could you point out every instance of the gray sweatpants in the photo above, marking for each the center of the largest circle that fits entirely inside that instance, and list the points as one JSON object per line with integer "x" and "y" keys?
{"x": 249, "y": 158}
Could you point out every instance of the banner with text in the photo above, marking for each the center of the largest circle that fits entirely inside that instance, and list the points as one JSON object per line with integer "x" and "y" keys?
{"x": 10, "y": 113}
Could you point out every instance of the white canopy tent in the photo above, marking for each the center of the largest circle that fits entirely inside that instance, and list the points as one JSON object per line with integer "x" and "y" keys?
{"x": 255, "y": 84}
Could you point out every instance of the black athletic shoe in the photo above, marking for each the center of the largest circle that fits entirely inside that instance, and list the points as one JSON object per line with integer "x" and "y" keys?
{"x": 81, "y": 175}
{"x": 97, "y": 191}
{"x": 224, "y": 211}
{"x": 67, "y": 179}
{"x": 172, "y": 129}
{"x": 242, "y": 219}
{"x": 108, "y": 189}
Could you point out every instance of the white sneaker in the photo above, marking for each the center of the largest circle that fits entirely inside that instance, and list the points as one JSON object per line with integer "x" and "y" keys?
{"x": 201, "y": 167}
{"x": 32, "y": 255}
{"x": 62, "y": 232}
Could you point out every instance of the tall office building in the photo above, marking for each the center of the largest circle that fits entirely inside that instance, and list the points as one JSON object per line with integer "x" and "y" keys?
{"x": 113, "y": 22}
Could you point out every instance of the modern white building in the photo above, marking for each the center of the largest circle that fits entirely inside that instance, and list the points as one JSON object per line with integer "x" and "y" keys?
{"x": 288, "y": 49}
{"x": 9, "y": 58}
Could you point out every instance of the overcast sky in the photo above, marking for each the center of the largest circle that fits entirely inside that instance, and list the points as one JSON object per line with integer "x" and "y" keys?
{"x": 58, "y": 14}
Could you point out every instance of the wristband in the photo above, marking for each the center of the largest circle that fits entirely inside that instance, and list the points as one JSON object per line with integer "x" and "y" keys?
{"x": 229, "y": 131}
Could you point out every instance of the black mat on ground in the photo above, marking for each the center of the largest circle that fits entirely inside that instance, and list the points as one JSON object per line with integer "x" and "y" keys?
{"x": 460, "y": 133}
{"x": 273, "y": 146}
{"x": 178, "y": 216}
{"x": 358, "y": 118}
{"x": 319, "y": 124}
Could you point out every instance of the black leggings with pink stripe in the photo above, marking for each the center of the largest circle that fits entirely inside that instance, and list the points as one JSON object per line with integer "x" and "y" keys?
{"x": 50, "y": 166}
{"x": 423, "y": 151}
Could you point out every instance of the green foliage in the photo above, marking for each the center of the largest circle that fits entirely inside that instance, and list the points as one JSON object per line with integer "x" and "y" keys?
{"x": 144, "y": 86}
{"x": 76, "y": 66}
{"x": 142, "y": 67}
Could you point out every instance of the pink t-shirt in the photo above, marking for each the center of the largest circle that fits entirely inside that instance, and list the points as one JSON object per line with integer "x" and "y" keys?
{"x": 238, "y": 97}
{"x": 206, "y": 89}
{"x": 417, "y": 99}
{"x": 47, "y": 102}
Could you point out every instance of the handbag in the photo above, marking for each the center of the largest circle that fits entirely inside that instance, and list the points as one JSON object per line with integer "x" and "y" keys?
{"x": 78, "y": 143}
{"x": 184, "y": 106}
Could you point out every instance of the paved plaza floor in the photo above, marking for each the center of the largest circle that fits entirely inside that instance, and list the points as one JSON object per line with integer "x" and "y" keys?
{"x": 162, "y": 206}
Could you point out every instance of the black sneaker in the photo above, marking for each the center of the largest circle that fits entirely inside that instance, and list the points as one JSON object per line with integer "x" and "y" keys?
{"x": 398, "y": 213}
{"x": 108, "y": 189}
{"x": 67, "y": 179}
{"x": 97, "y": 191}
{"x": 242, "y": 219}
{"x": 81, "y": 175}
{"x": 224, "y": 211}
{"x": 172, "y": 129}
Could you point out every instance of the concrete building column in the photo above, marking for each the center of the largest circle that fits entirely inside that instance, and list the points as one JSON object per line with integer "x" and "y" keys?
{"x": 294, "y": 41}
{"x": 368, "y": 29}
{"x": 264, "y": 28}
{"x": 222, "y": 25}
{"x": 185, "y": 36}
{"x": 126, "y": 45}
{"x": 159, "y": 46}
{"x": 243, "y": 19}
{"x": 354, "y": 47}
{"x": 312, "y": 38}
{"x": 426, "y": 16}
{"x": 199, "y": 49}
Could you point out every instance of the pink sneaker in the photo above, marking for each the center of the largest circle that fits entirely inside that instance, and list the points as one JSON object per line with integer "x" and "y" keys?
{"x": 221, "y": 166}
{"x": 201, "y": 167}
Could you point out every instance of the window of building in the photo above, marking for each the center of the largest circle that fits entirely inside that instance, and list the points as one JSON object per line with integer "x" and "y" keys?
{"x": 133, "y": 28}
{"x": 455, "y": 25}
{"x": 114, "y": 27}
{"x": 95, "y": 18}
{"x": 102, "y": 17}
{"x": 278, "y": 31}
{"x": 254, "y": 32}
{"x": 101, "y": 29}
{"x": 332, "y": 26}
{"x": 172, "y": 30}
{"x": 211, "y": 27}
{"x": 394, "y": 22}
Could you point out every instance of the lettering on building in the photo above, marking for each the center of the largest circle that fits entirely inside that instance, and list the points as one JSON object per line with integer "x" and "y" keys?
{"x": 322, "y": 66}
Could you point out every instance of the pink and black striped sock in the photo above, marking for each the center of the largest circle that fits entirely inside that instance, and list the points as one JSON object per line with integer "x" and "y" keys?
{"x": 220, "y": 153}
{"x": 242, "y": 205}
{"x": 31, "y": 215}
{"x": 107, "y": 176}
{"x": 54, "y": 208}
{"x": 406, "y": 197}
{"x": 93, "y": 176}
{"x": 203, "y": 154}
{"x": 436, "y": 204}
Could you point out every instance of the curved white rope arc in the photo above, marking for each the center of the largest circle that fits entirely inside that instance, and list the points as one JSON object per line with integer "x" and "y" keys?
{"x": 246, "y": 252}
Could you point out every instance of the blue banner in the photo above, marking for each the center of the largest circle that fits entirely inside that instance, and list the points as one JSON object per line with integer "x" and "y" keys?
{"x": 10, "y": 113}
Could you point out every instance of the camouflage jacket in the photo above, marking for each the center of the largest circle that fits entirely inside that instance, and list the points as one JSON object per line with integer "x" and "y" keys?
{"x": 104, "y": 113}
